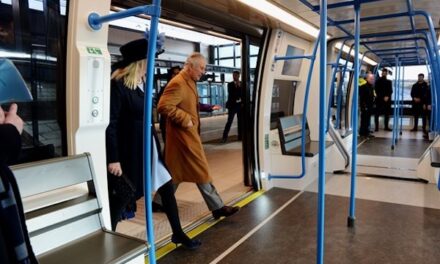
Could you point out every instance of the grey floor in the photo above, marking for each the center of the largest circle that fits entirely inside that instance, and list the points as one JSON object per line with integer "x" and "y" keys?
{"x": 385, "y": 233}
{"x": 407, "y": 148}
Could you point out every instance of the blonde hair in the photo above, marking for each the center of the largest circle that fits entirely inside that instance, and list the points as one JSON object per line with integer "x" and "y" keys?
{"x": 194, "y": 59}
{"x": 132, "y": 74}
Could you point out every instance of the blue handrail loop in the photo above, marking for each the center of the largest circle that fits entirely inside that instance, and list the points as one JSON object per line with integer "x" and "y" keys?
{"x": 304, "y": 115}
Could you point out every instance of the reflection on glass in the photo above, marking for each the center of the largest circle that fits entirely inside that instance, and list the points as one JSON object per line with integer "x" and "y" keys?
{"x": 292, "y": 67}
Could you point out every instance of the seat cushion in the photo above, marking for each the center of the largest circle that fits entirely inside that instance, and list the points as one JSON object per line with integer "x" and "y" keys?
{"x": 98, "y": 247}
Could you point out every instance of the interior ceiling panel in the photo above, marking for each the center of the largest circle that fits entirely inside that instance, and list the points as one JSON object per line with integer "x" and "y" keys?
{"x": 233, "y": 15}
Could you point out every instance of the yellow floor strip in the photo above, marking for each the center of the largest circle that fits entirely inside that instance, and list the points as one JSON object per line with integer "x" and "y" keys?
{"x": 202, "y": 228}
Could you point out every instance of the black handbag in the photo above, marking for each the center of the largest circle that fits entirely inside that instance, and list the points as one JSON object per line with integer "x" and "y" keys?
{"x": 121, "y": 188}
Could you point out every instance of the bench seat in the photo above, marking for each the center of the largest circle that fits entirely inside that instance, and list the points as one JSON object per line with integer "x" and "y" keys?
{"x": 290, "y": 132}
{"x": 98, "y": 247}
{"x": 312, "y": 148}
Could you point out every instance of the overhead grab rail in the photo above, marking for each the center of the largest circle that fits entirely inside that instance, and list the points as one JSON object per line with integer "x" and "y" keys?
{"x": 95, "y": 22}
{"x": 304, "y": 115}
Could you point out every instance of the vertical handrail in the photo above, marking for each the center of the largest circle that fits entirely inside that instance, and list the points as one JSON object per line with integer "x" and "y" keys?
{"x": 322, "y": 108}
{"x": 148, "y": 103}
{"x": 95, "y": 22}
{"x": 396, "y": 86}
{"x": 402, "y": 88}
{"x": 341, "y": 84}
{"x": 332, "y": 85}
{"x": 304, "y": 117}
{"x": 351, "y": 216}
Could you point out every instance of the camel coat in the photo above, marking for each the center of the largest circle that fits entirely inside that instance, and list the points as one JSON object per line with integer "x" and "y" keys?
{"x": 184, "y": 154}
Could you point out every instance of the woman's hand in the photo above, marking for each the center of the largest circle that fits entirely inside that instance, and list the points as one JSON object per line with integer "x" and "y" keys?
{"x": 115, "y": 168}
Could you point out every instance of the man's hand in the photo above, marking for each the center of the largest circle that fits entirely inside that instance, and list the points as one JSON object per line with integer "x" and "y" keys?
{"x": 12, "y": 118}
{"x": 2, "y": 116}
{"x": 115, "y": 168}
{"x": 386, "y": 98}
{"x": 190, "y": 124}
{"x": 416, "y": 99}
{"x": 216, "y": 107}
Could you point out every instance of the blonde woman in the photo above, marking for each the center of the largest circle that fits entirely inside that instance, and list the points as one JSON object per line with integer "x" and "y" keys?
{"x": 124, "y": 138}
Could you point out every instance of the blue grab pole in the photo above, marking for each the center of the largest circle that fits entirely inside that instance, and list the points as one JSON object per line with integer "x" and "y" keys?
{"x": 396, "y": 86}
{"x": 339, "y": 92}
{"x": 322, "y": 101}
{"x": 351, "y": 217}
{"x": 148, "y": 106}
{"x": 303, "y": 121}
{"x": 332, "y": 86}
{"x": 95, "y": 22}
{"x": 402, "y": 88}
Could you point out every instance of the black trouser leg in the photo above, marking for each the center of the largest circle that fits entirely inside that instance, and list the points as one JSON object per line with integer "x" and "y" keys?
{"x": 376, "y": 119}
{"x": 169, "y": 205}
{"x": 386, "y": 120}
{"x": 240, "y": 122}
{"x": 231, "y": 114}
{"x": 364, "y": 129}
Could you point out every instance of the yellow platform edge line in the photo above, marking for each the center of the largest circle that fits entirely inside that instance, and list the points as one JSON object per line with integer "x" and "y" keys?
{"x": 202, "y": 228}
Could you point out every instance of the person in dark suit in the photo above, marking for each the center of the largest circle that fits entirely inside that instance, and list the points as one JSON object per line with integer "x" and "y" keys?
{"x": 15, "y": 246}
{"x": 124, "y": 139}
{"x": 384, "y": 90}
{"x": 366, "y": 102}
{"x": 418, "y": 90}
{"x": 234, "y": 105}
{"x": 427, "y": 108}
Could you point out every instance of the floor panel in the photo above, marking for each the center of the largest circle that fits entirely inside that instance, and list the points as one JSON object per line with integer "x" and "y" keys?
{"x": 408, "y": 148}
{"x": 384, "y": 233}
{"x": 222, "y": 235}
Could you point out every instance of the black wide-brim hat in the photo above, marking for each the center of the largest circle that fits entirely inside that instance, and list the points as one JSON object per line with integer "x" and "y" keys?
{"x": 133, "y": 51}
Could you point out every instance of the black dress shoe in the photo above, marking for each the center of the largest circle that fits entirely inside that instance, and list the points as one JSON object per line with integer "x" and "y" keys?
{"x": 225, "y": 211}
{"x": 388, "y": 129}
{"x": 223, "y": 140}
{"x": 186, "y": 242}
{"x": 414, "y": 130}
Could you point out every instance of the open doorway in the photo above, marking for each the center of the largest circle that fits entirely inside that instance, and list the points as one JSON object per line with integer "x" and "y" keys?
{"x": 225, "y": 158}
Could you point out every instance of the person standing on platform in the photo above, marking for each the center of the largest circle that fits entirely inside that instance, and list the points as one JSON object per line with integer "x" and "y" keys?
{"x": 384, "y": 90}
{"x": 427, "y": 108}
{"x": 234, "y": 104}
{"x": 418, "y": 90}
{"x": 184, "y": 154}
{"x": 366, "y": 102}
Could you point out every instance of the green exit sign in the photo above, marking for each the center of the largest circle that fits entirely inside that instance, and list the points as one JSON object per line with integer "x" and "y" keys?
{"x": 94, "y": 51}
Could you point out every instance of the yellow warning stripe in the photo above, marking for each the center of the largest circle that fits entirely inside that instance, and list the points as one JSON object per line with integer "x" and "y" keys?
{"x": 202, "y": 228}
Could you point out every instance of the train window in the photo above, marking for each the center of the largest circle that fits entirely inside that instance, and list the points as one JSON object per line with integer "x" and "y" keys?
{"x": 36, "y": 4}
{"x": 283, "y": 100}
{"x": 35, "y": 42}
{"x": 292, "y": 67}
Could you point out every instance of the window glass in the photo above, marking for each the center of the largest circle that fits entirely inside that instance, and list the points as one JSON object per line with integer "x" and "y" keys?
{"x": 37, "y": 47}
{"x": 292, "y": 67}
